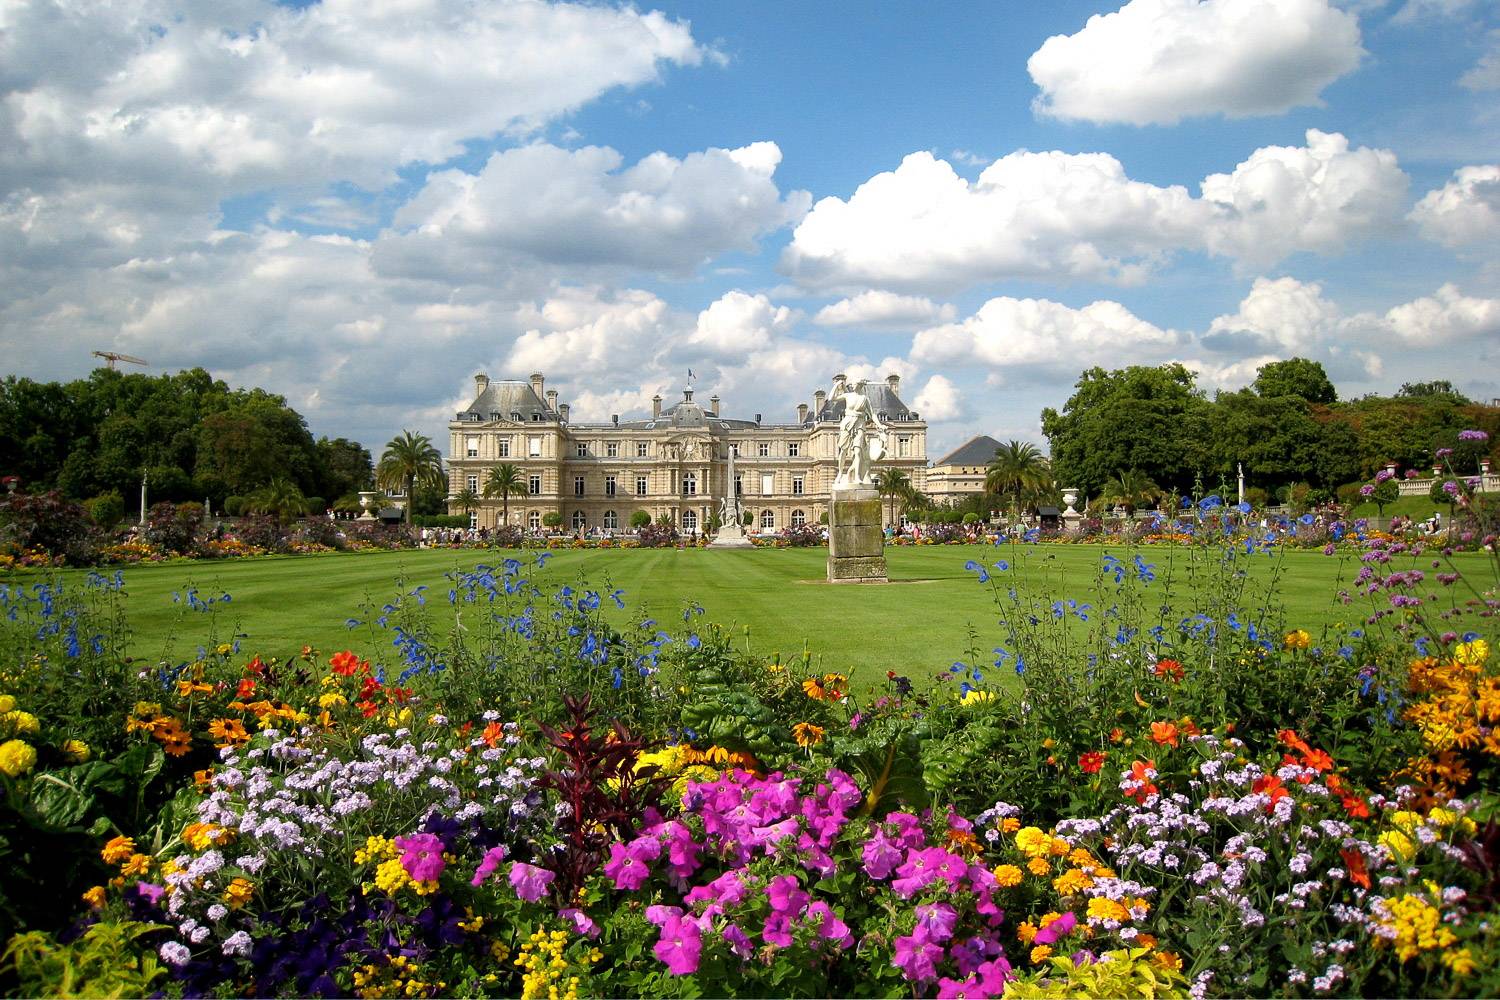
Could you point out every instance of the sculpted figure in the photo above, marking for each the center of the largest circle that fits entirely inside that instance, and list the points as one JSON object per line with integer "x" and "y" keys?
{"x": 861, "y": 440}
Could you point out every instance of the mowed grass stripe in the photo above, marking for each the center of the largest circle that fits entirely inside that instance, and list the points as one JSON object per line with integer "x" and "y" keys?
{"x": 918, "y": 624}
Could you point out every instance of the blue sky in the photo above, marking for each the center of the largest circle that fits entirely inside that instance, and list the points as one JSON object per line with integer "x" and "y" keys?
{"x": 360, "y": 205}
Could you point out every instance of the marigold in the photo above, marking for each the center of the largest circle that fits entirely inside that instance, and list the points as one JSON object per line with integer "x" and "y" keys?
{"x": 1010, "y": 824}
{"x": 1041, "y": 953}
{"x": 95, "y": 897}
{"x": 1039, "y": 866}
{"x": 1297, "y": 639}
{"x": 1103, "y": 908}
{"x": 1072, "y": 881}
{"x": 1398, "y": 844}
{"x": 238, "y": 892}
{"x": 17, "y": 757}
{"x": 1169, "y": 960}
{"x": 1027, "y": 932}
{"x": 77, "y": 751}
{"x": 118, "y": 850}
{"x": 136, "y": 866}
{"x": 1007, "y": 876}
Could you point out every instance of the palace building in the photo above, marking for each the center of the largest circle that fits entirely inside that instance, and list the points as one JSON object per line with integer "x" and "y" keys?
{"x": 673, "y": 464}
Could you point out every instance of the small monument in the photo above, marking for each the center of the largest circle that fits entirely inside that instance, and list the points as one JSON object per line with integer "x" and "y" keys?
{"x": 731, "y": 533}
{"x": 1072, "y": 521}
{"x": 365, "y": 499}
{"x": 856, "y": 542}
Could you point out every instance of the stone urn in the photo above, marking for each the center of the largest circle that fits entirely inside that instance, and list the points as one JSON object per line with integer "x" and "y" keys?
{"x": 1070, "y": 497}
{"x": 365, "y": 499}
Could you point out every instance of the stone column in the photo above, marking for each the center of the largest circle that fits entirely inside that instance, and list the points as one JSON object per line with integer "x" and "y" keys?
{"x": 856, "y": 543}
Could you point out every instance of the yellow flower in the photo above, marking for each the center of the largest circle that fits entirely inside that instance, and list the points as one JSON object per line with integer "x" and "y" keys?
{"x": 20, "y": 723}
{"x": 1010, "y": 824}
{"x": 1039, "y": 866}
{"x": 1071, "y": 881}
{"x": 1169, "y": 960}
{"x": 1405, "y": 820}
{"x": 1041, "y": 953}
{"x": 1297, "y": 639}
{"x": 7, "y": 703}
{"x": 1472, "y": 653}
{"x": 1460, "y": 961}
{"x": 974, "y": 696}
{"x": 136, "y": 866}
{"x": 807, "y": 734}
{"x": 95, "y": 897}
{"x": 331, "y": 699}
{"x": 1008, "y": 875}
{"x": 1101, "y": 908}
{"x": 76, "y": 751}
{"x": 1398, "y": 843}
{"x": 1027, "y": 932}
{"x": 1031, "y": 840}
{"x": 17, "y": 757}
{"x": 117, "y": 850}
{"x": 238, "y": 892}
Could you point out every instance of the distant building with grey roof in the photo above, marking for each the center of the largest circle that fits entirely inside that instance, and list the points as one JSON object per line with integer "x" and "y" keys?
{"x": 962, "y": 471}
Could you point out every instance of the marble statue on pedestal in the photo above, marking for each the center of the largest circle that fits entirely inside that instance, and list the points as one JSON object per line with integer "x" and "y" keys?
{"x": 861, "y": 441}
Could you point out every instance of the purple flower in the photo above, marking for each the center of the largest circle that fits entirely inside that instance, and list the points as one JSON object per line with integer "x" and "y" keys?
{"x": 1059, "y": 928}
{"x": 777, "y": 930}
{"x": 422, "y": 856}
{"x": 739, "y": 941}
{"x": 529, "y": 881}
{"x": 959, "y": 988}
{"x": 488, "y": 864}
{"x": 680, "y": 944}
{"x": 1473, "y": 436}
{"x": 830, "y": 927}
{"x": 881, "y": 855}
{"x": 580, "y": 921}
{"x": 1383, "y": 475}
{"x": 1444, "y": 452}
{"x": 629, "y": 864}
{"x": 175, "y": 953}
{"x": 786, "y": 895}
{"x": 938, "y": 919}
{"x": 1367, "y": 490}
{"x": 917, "y": 956}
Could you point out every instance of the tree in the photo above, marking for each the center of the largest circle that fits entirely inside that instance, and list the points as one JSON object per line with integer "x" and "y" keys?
{"x": 640, "y": 519}
{"x": 409, "y": 459}
{"x": 254, "y": 441}
{"x": 552, "y": 519}
{"x": 1295, "y": 377}
{"x": 465, "y": 500}
{"x": 504, "y": 481}
{"x": 1154, "y": 420}
{"x": 344, "y": 467}
{"x": 1130, "y": 488}
{"x": 1437, "y": 387}
{"x": 1018, "y": 472}
{"x": 281, "y": 499}
{"x": 1275, "y": 437}
{"x": 892, "y": 483}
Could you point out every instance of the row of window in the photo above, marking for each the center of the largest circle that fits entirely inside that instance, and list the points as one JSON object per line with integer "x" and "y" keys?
{"x": 611, "y": 520}
{"x": 689, "y": 485}
{"x": 612, "y": 448}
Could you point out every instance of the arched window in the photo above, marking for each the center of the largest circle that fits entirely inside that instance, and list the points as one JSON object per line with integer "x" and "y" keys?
{"x": 611, "y": 520}
{"x": 534, "y": 520}
{"x": 690, "y": 520}
{"x": 579, "y": 521}
{"x": 767, "y": 520}
{"x": 798, "y": 519}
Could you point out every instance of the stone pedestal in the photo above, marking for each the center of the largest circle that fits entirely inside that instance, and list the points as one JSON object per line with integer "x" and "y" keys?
{"x": 731, "y": 536}
{"x": 856, "y": 543}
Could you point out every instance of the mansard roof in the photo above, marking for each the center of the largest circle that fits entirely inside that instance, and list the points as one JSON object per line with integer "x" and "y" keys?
{"x": 883, "y": 400}
{"x": 975, "y": 451}
{"x": 504, "y": 399}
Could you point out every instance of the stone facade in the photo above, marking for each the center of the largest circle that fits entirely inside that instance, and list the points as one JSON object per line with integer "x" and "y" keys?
{"x": 672, "y": 464}
{"x": 961, "y": 472}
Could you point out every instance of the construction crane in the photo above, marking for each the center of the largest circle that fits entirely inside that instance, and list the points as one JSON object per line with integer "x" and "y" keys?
{"x": 111, "y": 357}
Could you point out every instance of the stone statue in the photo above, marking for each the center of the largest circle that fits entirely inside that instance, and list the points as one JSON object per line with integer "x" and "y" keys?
{"x": 731, "y": 531}
{"x": 861, "y": 440}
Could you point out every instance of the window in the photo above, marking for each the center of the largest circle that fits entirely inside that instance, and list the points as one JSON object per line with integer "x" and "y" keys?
{"x": 735, "y": 448}
{"x": 611, "y": 520}
{"x": 471, "y": 447}
{"x": 739, "y": 485}
{"x": 690, "y": 520}
{"x": 689, "y": 484}
{"x": 640, "y": 486}
{"x": 505, "y": 447}
{"x": 473, "y": 519}
{"x": 903, "y": 446}
{"x": 797, "y": 485}
{"x": 612, "y": 450}
{"x": 609, "y": 486}
{"x": 536, "y": 418}
{"x": 534, "y": 447}
{"x": 765, "y": 449}
{"x": 534, "y": 520}
{"x": 640, "y": 449}
{"x": 767, "y": 520}
{"x": 582, "y": 450}
{"x": 767, "y": 484}
{"x": 798, "y": 519}
{"x": 579, "y": 521}
{"x": 472, "y": 482}
{"x": 578, "y": 486}
{"x": 534, "y": 485}
{"x": 793, "y": 448}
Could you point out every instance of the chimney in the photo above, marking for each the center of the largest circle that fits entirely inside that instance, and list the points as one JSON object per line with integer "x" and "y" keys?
{"x": 893, "y": 382}
{"x": 536, "y": 384}
{"x": 481, "y": 383}
{"x": 563, "y": 412}
{"x": 655, "y": 406}
{"x": 819, "y": 398}
{"x": 801, "y": 413}
{"x": 614, "y": 418}
{"x": 757, "y": 418}
{"x": 713, "y": 406}
{"x": 552, "y": 400}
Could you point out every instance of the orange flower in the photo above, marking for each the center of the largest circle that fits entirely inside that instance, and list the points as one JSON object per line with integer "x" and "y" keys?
{"x": 345, "y": 663}
{"x": 814, "y": 689}
{"x": 1291, "y": 739}
{"x": 229, "y": 732}
{"x": 1091, "y": 762}
{"x": 1356, "y": 806}
{"x": 1168, "y": 669}
{"x": 807, "y": 734}
{"x": 1318, "y": 760}
{"x": 1164, "y": 733}
{"x": 1271, "y": 785}
{"x": 493, "y": 733}
{"x": 1116, "y": 734}
{"x": 246, "y": 689}
{"x": 1138, "y": 774}
{"x": 1354, "y": 861}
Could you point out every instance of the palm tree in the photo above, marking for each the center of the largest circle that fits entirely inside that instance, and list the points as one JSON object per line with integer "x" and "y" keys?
{"x": 281, "y": 499}
{"x": 892, "y": 483}
{"x": 408, "y": 460}
{"x": 1018, "y": 469}
{"x": 1131, "y": 488}
{"x": 504, "y": 482}
{"x": 465, "y": 500}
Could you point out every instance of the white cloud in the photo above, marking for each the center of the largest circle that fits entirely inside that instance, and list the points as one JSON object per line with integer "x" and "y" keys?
{"x": 1159, "y": 61}
{"x": 588, "y": 334}
{"x": 1282, "y": 314}
{"x": 1420, "y": 10}
{"x": 737, "y": 324}
{"x": 1008, "y": 332}
{"x": 1319, "y": 197}
{"x": 1447, "y": 316}
{"x": 1464, "y": 211}
{"x": 1065, "y": 216}
{"x": 1485, "y": 75}
{"x": 939, "y": 400}
{"x": 878, "y": 308}
{"x": 544, "y": 204}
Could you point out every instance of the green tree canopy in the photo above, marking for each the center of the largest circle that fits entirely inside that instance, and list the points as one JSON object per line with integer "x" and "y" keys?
{"x": 1295, "y": 377}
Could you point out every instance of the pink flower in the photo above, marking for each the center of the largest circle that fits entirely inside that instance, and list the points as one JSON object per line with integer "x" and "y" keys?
{"x": 488, "y": 864}
{"x": 529, "y": 881}
{"x": 916, "y": 956}
{"x": 1059, "y": 928}
{"x": 960, "y": 988}
{"x": 786, "y": 895}
{"x": 422, "y": 856}
{"x": 629, "y": 864}
{"x": 777, "y": 930}
{"x": 580, "y": 921}
{"x": 938, "y": 919}
{"x": 881, "y": 855}
{"x": 739, "y": 941}
{"x": 830, "y": 927}
{"x": 680, "y": 944}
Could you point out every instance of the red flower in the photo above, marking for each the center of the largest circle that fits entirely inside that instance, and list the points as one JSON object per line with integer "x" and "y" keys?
{"x": 1356, "y": 806}
{"x": 1271, "y": 785}
{"x": 345, "y": 664}
{"x": 1291, "y": 739}
{"x": 1145, "y": 789}
{"x": 1164, "y": 733}
{"x": 246, "y": 689}
{"x": 1169, "y": 669}
{"x": 1354, "y": 861}
{"x": 1318, "y": 760}
{"x": 1092, "y": 762}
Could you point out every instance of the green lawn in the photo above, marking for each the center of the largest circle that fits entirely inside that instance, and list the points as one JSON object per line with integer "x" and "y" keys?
{"x": 917, "y": 624}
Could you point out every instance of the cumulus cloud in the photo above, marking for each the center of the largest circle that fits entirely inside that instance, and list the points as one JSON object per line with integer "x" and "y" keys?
{"x": 877, "y": 308}
{"x": 590, "y": 334}
{"x": 1444, "y": 317}
{"x": 1464, "y": 211}
{"x": 1155, "y": 62}
{"x": 939, "y": 400}
{"x": 1281, "y": 314}
{"x": 1065, "y": 216}
{"x": 738, "y": 324}
{"x": 544, "y": 204}
{"x": 1007, "y": 332}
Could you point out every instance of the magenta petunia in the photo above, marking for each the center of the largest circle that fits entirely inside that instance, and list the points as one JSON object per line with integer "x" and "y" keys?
{"x": 938, "y": 920}
{"x": 1059, "y": 928}
{"x": 680, "y": 946}
{"x": 488, "y": 864}
{"x": 830, "y": 927}
{"x": 917, "y": 956}
{"x": 881, "y": 855}
{"x": 529, "y": 881}
{"x": 629, "y": 865}
{"x": 786, "y": 895}
{"x": 422, "y": 856}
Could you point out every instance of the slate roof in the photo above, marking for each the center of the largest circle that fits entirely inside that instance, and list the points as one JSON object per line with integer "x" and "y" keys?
{"x": 975, "y": 451}
{"x": 503, "y": 399}
{"x": 885, "y": 403}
